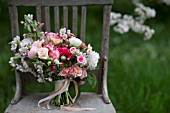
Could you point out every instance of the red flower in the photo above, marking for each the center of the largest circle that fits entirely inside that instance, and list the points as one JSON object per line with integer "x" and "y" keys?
{"x": 66, "y": 52}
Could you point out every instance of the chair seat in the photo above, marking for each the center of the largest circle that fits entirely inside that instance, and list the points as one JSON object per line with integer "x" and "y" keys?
{"x": 28, "y": 104}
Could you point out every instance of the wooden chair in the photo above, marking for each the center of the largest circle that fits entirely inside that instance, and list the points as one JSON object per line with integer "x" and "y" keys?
{"x": 28, "y": 103}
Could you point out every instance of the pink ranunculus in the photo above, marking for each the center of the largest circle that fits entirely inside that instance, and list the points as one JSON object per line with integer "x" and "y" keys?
{"x": 81, "y": 59}
{"x": 55, "y": 38}
{"x": 32, "y": 52}
{"x": 49, "y": 46}
{"x": 54, "y": 54}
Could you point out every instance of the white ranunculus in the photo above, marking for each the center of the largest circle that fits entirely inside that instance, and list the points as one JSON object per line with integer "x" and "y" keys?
{"x": 43, "y": 53}
{"x": 92, "y": 59}
{"x": 75, "y": 41}
{"x": 26, "y": 42}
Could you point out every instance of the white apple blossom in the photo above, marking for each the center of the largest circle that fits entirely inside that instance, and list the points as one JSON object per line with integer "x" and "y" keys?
{"x": 11, "y": 62}
{"x": 62, "y": 31}
{"x": 65, "y": 36}
{"x": 14, "y": 43}
{"x": 75, "y": 41}
{"x": 40, "y": 80}
{"x": 23, "y": 50}
{"x": 30, "y": 16}
{"x": 68, "y": 31}
{"x": 26, "y": 42}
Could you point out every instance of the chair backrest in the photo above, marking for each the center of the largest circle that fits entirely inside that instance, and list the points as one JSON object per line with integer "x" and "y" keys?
{"x": 107, "y": 4}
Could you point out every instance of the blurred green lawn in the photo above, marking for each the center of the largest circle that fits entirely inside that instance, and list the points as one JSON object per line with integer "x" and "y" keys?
{"x": 139, "y": 74}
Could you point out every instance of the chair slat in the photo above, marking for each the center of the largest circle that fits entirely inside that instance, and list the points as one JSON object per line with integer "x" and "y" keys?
{"x": 83, "y": 23}
{"x": 38, "y": 13}
{"x": 57, "y": 18}
{"x": 75, "y": 19}
{"x": 65, "y": 16}
{"x": 14, "y": 20}
{"x": 58, "y": 2}
{"x": 47, "y": 18}
{"x": 102, "y": 77}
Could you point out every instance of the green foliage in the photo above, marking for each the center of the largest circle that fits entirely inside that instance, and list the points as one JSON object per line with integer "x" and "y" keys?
{"x": 91, "y": 80}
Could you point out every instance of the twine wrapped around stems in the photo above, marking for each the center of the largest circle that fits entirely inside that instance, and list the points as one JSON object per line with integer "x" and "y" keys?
{"x": 61, "y": 87}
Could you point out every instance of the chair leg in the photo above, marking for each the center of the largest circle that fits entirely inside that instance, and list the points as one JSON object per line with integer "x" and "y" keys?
{"x": 104, "y": 81}
{"x": 18, "y": 92}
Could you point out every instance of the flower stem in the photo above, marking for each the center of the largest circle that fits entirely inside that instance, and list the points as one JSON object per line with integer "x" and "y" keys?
{"x": 67, "y": 98}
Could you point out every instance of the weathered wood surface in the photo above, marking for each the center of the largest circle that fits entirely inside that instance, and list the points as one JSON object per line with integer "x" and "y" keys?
{"x": 102, "y": 78}
{"x": 19, "y": 88}
{"x": 83, "y": 23}
{"x": 38, "y": 13}
{"x": 47, "y": 19}
{"x": 75, "y": 20}
{"x": 14, "y": 20}
{"x": 58, "y": 2}
{"x": 57, "y": 18}
{"x": 65, "y": 16}
{"x": 89, "y": 100}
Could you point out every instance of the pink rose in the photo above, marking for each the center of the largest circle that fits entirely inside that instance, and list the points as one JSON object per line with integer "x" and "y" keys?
{"x": 32, "y": 52}
{"x": 37, "y": 44}
{"x": 54, "y": 38}
{"x": 54, "y": 54}
{"x": 43, "y": 53}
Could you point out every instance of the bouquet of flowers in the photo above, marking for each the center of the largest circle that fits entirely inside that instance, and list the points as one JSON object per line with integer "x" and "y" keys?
{"x": 59, "y": 57}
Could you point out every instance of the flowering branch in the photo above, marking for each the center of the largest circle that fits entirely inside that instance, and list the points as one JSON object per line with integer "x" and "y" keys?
{"x": 124, "y": 23}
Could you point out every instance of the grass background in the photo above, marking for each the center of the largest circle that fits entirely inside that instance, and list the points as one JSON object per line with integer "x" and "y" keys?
{"x": 139, "y": 74}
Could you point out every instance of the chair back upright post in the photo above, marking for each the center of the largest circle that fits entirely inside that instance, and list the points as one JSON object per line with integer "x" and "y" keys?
{"x": 46, "y": 4}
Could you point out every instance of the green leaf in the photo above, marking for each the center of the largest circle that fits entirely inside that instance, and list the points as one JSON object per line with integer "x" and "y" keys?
{"x": 29, "y": 28}
{"x": 91, "y": 80}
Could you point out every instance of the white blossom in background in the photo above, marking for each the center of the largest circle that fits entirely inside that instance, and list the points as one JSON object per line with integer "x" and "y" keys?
{"x": 167, "y": 2}
{"x": 144, "y": 12}
{"x": 124, "y": 23}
